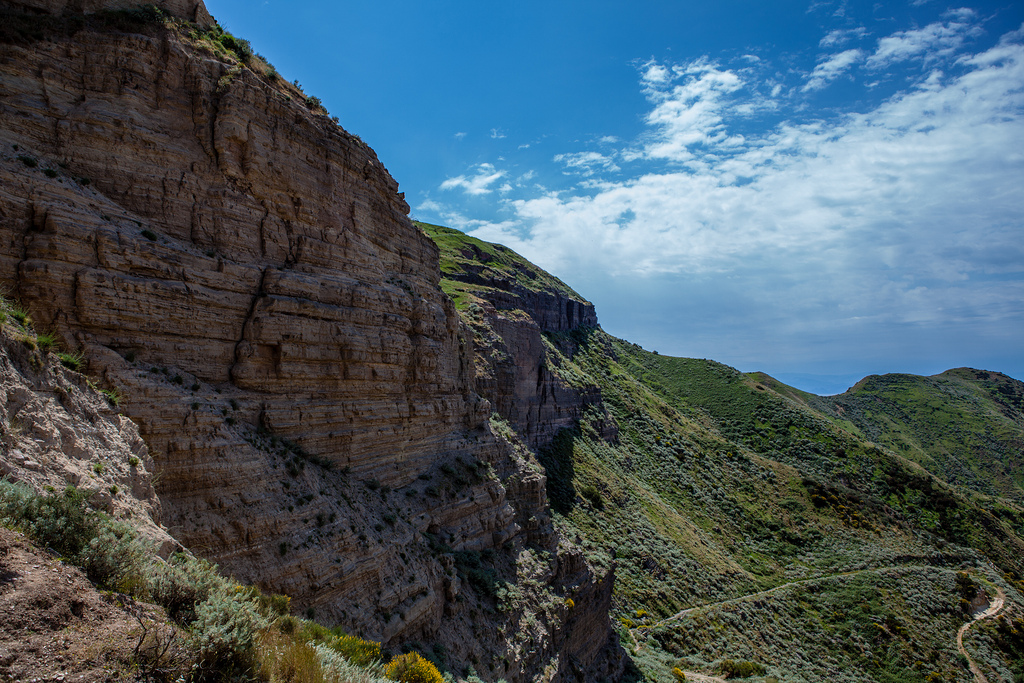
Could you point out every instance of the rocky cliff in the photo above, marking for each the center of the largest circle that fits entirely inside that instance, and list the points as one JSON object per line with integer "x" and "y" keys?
{"x": 522, "y": 320}
{"x": 243, "y": 271}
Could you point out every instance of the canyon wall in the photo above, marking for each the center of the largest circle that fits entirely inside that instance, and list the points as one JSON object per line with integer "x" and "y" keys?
{"x": 243, "y": 271}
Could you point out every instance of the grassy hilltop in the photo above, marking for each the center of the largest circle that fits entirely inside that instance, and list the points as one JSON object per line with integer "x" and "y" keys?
{"x": 761, "y": 530}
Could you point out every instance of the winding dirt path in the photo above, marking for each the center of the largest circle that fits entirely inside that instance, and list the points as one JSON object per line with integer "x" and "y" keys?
{"x": 642, "y": 630}
{"x": 992, "y": 610}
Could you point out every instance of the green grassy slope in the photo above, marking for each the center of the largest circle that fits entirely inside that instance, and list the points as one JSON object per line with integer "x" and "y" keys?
{"x": 967, "y": 426}
{"x": 469, "y": 265}
{"x": 720, "y": 487}
{"x": 751, "y": 521}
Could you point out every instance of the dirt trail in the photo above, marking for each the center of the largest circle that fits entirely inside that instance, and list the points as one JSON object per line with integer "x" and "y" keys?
{"x": 689, "y": 610}
{"x": 703, "y": 678}
{"x": 992, "y": 610}
{"x": 979, "y": 677}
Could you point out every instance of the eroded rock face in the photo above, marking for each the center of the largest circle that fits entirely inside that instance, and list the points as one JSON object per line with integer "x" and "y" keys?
{"x": 191, "y": 10}
{"x": 515, "y": 331}
{"x": 244, "y": 272}
{"x": 57, "y": 431}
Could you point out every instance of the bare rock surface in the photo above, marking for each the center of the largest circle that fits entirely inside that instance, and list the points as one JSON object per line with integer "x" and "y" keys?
{"x": 191, "y": 10}
{"x": 57, "y": 431}
{"x": 243, "y": 272}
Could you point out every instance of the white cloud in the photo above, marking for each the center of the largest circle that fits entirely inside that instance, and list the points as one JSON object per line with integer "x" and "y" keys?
{"x": 478, "y": 184}
{"x": 497, "y": 134}
{"x": 655, "y": 74}
{"x": 688, "y": 115}
{"x": 587, "y": 163}
{"x": 830, "y": 69}
{"x": 908, "y": 213}
{"x": 933, "y": 41}
{"x": 460, "y": 135}
{"x": 840, "y": 37}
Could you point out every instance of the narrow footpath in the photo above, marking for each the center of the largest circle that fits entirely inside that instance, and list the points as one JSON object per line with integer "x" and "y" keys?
{"x": 992, "y": 610}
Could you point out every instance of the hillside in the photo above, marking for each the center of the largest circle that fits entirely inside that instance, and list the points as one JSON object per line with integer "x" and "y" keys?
{"x": 967, "y": 426}
{"x": 220, "y": 324}
{"x": 748, "y": 521}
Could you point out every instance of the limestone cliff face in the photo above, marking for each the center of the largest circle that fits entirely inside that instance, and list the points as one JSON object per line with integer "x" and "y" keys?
{"x": 191, "y": 10}
{"x": 244, "y": 272}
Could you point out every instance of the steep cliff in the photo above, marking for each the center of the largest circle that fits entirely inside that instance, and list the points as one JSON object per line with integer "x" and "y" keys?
{"x": 517, "y": 312}
{"x": 243, "y": 271}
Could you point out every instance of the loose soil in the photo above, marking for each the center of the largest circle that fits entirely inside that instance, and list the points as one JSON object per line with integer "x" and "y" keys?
{"x": 56, "y": 626}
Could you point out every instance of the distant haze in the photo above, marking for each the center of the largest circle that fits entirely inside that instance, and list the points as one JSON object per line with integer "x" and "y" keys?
{"x": 817, "y": 190}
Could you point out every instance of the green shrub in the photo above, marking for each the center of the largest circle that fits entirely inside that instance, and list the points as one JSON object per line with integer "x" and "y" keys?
{"x": 181, "y": 583}
{"x": 222, "y": 620}
{"x": 109, "y": 551}
{"x": 113, "y": 396}
{"x": 224, "y": 631}
{"x": 20, "y": 314}
{"x": 116, "y": 558}
{"x": 46, "y": 341}
{"x": 149, "y": 235}
{"x": 740, "y": 669}
{"x": 72, "y": 361}
{"x": 61, "y": 521}
{"x": 592, "y": 494}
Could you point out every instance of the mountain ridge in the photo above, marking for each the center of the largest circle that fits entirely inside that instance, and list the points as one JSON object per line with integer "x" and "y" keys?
{"x": 429, "y": 441}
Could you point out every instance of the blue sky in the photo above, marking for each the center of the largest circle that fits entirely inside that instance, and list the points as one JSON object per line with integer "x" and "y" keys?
{"x": 819, "y": 190}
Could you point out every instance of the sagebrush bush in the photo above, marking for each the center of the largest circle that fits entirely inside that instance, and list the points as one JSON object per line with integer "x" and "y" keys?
{"x": 338, "y": 668}
{"x": 181, "y": 584}
{"x": 412, "y": 668}
{"x": 220, "y": 619}
{"x": 62, "y": 521}
{"x": 111, "y": 552}
{"x": 117, "y": 558}
{"x": 224, "y": 631}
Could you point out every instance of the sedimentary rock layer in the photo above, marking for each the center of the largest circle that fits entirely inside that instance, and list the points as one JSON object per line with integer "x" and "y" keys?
{"x": 244, "y": 272}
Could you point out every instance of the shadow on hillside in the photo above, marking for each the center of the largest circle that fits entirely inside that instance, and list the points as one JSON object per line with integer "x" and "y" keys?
{"x": 557, "y": 462}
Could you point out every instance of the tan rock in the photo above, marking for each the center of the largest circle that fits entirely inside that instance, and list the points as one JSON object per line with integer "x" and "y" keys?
{"x": 192, "y": 10}
{"x": 244, "y": 272}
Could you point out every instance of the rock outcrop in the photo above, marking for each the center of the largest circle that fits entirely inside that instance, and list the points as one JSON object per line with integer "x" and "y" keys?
{"x": 57, "y": 430}
{"x": 522, "y": 319}
{"x": 243, "y": 271}
{"x": 190, "y": 10}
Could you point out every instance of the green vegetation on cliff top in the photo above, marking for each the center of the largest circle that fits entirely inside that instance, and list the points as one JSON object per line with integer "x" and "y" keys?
{"x": 471, "y": 267}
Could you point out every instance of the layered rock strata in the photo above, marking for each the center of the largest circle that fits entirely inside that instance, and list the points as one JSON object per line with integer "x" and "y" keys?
{"x": 244, "y": 273}
{"x": 522, "y": 320}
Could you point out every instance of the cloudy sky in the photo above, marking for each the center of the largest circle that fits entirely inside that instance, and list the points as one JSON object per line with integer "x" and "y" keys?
{"x": 819, "y": 190}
